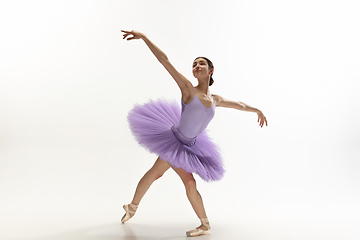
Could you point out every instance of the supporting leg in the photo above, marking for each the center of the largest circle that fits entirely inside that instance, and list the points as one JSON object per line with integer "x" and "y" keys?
{"x": 196, "y": 202}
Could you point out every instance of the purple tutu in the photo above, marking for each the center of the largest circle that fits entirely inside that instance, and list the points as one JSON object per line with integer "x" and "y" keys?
{"x": 154, "y": 126}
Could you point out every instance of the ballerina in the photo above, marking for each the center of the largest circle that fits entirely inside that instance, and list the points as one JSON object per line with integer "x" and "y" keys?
{"x": 178, "y": 136}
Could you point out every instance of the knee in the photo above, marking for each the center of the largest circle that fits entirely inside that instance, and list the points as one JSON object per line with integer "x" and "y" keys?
{"x": 157, "y": 176}
{"x": 190, "y": 185}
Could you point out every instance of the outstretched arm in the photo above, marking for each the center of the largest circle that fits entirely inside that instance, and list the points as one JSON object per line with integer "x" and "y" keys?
{"x": 222, "y": 102}
{"x": 183, "y": 83}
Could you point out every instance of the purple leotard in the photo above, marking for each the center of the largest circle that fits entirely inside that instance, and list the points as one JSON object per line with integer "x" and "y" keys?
{"x": 178, "y": 136}
{"x": 195, "y": 117}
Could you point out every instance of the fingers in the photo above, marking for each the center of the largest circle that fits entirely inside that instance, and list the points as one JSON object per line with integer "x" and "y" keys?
{"x": 262, "y": 120}
{"x": 126, "y": 34}
{"x": 135, "y": 35}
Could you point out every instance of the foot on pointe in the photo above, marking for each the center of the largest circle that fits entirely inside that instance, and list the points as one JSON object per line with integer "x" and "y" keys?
{"x": 130, "y": 210}
{"x": 203, "y": 229}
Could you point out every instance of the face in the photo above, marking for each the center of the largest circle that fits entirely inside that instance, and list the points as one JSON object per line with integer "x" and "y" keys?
{"x": 201, "y": 68}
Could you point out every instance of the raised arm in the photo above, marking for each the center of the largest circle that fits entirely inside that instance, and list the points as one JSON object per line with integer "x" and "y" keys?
{"x": 183, "y": 83}
{"x": 222, "y": 102}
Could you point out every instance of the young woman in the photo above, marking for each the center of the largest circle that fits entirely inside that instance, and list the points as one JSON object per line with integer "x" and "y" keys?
{"x": 177, "y": 135}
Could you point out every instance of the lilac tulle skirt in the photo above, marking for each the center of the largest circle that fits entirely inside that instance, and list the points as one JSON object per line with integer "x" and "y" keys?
{"x": 154, "y": 126}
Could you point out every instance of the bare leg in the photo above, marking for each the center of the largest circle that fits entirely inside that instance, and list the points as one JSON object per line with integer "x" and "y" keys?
{"x": 155, "y": 172}
{"x": 192, "y": 194}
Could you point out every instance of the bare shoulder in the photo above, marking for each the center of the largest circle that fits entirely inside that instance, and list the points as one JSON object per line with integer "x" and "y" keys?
{"x": 218, "y": 100}
{"x": 223, "y": 102}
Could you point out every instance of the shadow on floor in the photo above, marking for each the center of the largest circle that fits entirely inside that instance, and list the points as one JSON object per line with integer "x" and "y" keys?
{"x": 128, "y": 231}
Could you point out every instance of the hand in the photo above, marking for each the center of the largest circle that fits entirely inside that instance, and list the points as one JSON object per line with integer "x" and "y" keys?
{"x": 261, "y": 119}
{"x": 136, "y": 35}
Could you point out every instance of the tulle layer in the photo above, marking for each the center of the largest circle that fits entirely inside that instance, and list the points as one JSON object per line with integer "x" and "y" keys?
{"x": 154, "y": 126}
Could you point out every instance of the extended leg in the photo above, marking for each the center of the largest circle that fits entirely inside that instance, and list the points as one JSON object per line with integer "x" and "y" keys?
{"x": 155, "y": 172}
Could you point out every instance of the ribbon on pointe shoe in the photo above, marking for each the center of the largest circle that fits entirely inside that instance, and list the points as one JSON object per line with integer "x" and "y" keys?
{"x": 128, "y": 212}
{"x": 197, "y": 231}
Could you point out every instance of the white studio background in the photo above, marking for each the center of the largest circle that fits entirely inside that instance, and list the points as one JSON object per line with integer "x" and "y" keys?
{"x": 67, "y": 81}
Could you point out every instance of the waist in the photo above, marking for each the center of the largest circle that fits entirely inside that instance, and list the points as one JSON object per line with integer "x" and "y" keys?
{"x": 182, "y": 138}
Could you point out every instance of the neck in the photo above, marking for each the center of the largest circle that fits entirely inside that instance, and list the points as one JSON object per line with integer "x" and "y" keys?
{"x": 203, "y": 85}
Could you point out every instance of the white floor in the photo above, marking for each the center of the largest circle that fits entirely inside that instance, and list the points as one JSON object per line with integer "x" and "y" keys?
{"x": 160, "y": 225}
{"x": 86, "y": 206}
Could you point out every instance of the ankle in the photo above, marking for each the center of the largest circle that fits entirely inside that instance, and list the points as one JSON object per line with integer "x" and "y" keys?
{"x": 203, "y": 229}
{"x": 205, "y": 222}
{"x": 133, "y": 206}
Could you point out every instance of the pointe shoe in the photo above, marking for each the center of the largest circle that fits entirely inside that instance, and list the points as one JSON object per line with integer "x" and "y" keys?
{"x": 128, "y": 212}
{"x": 197, "y": 231}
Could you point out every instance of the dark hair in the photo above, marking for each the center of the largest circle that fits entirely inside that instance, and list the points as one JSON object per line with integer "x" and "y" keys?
{"x": 211, "y": 66}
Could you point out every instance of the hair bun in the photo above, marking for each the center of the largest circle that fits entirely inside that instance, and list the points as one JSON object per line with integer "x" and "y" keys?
{"x": 211, "y": 81}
